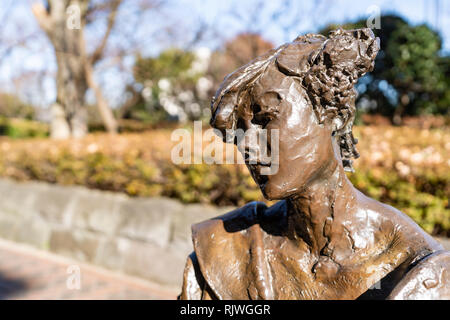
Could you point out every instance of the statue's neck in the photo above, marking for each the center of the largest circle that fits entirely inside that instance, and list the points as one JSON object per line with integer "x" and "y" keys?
{"x": 312, "y": 212}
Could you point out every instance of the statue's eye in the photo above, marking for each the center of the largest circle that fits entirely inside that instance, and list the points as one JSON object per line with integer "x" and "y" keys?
{"x": 260, "y": 117}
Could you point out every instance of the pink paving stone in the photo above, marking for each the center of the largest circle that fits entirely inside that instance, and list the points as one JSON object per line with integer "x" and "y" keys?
{"x": 27, "y": 273}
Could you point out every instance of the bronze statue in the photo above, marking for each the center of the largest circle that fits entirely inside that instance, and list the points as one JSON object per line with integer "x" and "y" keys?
{"x": 324, "y": 239}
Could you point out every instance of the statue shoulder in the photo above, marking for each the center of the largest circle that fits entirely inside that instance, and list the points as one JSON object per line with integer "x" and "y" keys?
{"x": 241, "y": 219}
{"x": 428, "y": 279}
{"x": 233, "y": 221}
{"x": 401, "y": 229}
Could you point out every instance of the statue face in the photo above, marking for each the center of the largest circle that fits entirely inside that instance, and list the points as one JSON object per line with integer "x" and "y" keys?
{"x": 306, "y": 151}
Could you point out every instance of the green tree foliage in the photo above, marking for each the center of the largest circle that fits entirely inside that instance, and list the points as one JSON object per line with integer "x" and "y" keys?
{"x": 410, "y": 77}
{"x": 171, "y": 63}
{"x": 443, "y": 103}
{"x": 176, "y": 68}
{"x": 415, "y": 71}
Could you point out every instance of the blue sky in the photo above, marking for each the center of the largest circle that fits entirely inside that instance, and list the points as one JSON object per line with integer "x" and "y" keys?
{"x": 325, "y": 12}
{"x": 247, "y": 15}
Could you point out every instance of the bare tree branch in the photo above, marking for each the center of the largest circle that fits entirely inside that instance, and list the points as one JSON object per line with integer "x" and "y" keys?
{"x": 42, "y": 16}
{"x": 130, "y": 103}
{"x": 98, "y": 52}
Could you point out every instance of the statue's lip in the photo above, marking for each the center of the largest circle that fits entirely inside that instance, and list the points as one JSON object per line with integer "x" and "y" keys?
{"x": 264, "y": 164}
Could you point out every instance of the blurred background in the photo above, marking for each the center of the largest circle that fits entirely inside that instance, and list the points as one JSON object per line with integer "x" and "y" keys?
{"x": 91, "y": 90}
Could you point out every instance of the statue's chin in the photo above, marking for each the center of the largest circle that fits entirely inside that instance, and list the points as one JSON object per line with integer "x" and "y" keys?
{"x": 272, "y": 192}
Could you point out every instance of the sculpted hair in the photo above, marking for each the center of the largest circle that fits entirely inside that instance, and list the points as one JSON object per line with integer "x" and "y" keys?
{"x": 328, "y": 69}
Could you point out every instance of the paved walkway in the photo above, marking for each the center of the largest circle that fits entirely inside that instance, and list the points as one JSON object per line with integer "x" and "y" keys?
{"x": 27, "y": 273}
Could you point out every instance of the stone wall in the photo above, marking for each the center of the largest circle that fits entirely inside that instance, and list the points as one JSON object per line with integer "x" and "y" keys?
{"x": 145, "y": 237}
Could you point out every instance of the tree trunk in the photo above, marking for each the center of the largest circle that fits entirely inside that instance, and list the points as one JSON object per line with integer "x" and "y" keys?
{"x": 70, "y": 79}
{"x": 64, "y": 22}
{"x": 59, "y": 125}
{"x": 397, "y": 118}
{"x": 105, "y": 111}
{"x": 71, "y": 88}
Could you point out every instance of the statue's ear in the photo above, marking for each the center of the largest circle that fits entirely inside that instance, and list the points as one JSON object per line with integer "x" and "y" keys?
{"x": 296, "y": 58}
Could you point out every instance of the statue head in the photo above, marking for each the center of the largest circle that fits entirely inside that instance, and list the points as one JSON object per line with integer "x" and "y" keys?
{"x": 305, "y": 90}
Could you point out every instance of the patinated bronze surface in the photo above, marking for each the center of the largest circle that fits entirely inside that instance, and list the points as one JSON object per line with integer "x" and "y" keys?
{"x": 324, "y": 239}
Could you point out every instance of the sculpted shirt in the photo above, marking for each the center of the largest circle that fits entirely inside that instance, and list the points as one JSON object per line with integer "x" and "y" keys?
{"x": 246, "y": 254}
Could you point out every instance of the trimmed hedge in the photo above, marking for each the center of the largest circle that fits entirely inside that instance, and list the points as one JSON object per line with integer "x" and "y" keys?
{"x": 22, "y": 128}
{"x": 407, "y": 168}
